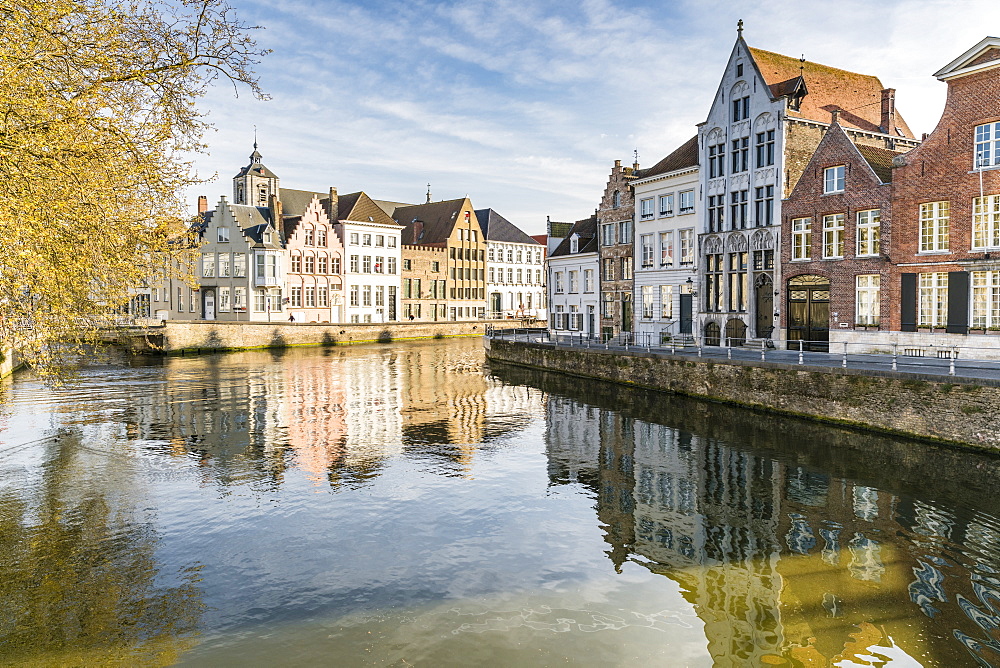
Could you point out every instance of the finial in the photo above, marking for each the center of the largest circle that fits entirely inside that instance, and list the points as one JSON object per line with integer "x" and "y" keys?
{"x": 255, "y": 137}
{"x": 635, "y": 154}
{"x": 739, "y": 28}
{"x": 802, "y": 64}
{"x": 428, "y": 193}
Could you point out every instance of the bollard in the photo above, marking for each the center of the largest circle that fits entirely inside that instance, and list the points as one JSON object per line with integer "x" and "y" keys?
{"x": 895, "y": 350}
{"x": 951, "y": 367}
{"x": 843, "y": 362}
{"x": 729, "y": 353}
{"x": 673, "y": 346}
{"x": 763, "y": 349}
{"x": 800, "y": 351}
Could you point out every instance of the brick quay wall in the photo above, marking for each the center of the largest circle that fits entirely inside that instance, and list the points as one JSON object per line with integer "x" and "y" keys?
{"x": 178, "y": 337}
{"x": 948, "y": 410}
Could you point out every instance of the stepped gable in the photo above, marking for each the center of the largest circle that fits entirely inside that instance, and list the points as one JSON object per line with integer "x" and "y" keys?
{"x": 857, "y": 96}
{"x": 497, "y": 228}
{"x": 685, "y": 156}
{"x": 438, "y": 219}
{"x": 587, "y": 231}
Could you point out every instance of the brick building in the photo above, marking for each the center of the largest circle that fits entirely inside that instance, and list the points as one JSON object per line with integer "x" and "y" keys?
{"x": 424, "y": 286}
{"x": 837, "y": 228}
{"x": 615, "y": 226}
{"x": 947, "y": 207}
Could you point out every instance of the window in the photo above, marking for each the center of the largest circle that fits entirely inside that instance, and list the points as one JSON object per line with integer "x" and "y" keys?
{"x": 738, "y": 210}
{"x": 310, "y": 264}
{"x": 765, "y": 148}
{"x": 208, "y": 265}
{"x": 259, "y": 301}
{"x": 713, "y": 282}
{"x": 310, "y": 237}
{"x": 379, "y": 266}
{"x": 574, "y": 244}
{"x": 763, "y": 260}
{"x": 667, "y": 205}
{"x": 763, "y": 205}
{"x": 647, "y": 302}
{"x": 296, "y": 264}
{"x": 666, "y": 302}
{"x": 934, "y": 222}
{"x": 741, "y": 109}
{"x": 354, "y": 295}
{"x": 354, "y": 264}
{"x": 391, "y": 265}
{"x": 334, "y": 265}
{"x": 435, "y": 266}
{"x": 833, "y": 236}
{"x": 608, "y": 234}
{"x": 380, "y": 240}
{"x": 687, "y": 201}
{"x": 666, "y": 249}
{"x": 646, "y": 208}
{"x": 608, "y": 267}
{"x": 259, "y": 263}
{"x": 224, "y": 265}
{"x": 510, "y": 275}
{"x": 225, "y": 302}
{"x": 223, "y": 234}
{"x": 366, "y": 295}
{"x": 625, "y": 232}
{"x": 616, "y": 200}
{"x": 986, "y": 221}
{"x": 558, "y": 282}
{"x": 738, "y": 282}
{"x": 588, "y": 280}
{"x": 646, "y": 243}
{"x": 867, "y": 299}
{"x": 868, "y": 232}
{"x": 323, "y": 296}
{"x": 739, "y": 69}
{"x": 239, "y": 265}
{"x": 366, "y": 264}
{"x": 985, "y": 299}
{"x": 380, "y": 294}
{"x": 492, "y": 275}
{"x": 296, "y": 296}
{"x": 310, "y": 296}
{"x": 574, "y": 281}
{"x": 321, "y": 236}
{"x": 608, "y": 305}
{"x": 987, "y": 146}
{"x": 626, "y": 268}
{"x": 510, "y": 254}
{"x": 716, "y": 160}
{"x": 740, "y": 157}
{"x": 833, "y": 179}
{"x": 180, "y": 299}
{"x": 802, "y": 238}
{"x": 407, "y": 265}
{"x": 239, "y": 298}
{"x": 716, "y": 212}
{"x": 366, "y": 240}
{"x": 687, "y": 246}
{"x": 932, "y": 299}
{"x": 354, "y": 239}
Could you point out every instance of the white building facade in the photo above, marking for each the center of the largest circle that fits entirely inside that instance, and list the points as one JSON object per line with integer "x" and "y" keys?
{"x": 574, "y": 284}
{"x": 371, "y": 277}
{"x": 665, "y": 257}
{"x": 515, "y": 269}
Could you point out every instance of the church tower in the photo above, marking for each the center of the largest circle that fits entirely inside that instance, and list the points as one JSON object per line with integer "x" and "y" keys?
{"x": 255, "y": 182}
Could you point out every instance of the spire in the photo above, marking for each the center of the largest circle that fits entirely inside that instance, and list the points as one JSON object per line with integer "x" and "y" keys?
{"x": 428, "y": 193}
{"x": 255, "y": 157}
{"x": 739, "y": 29}
{"x": 802, "y": 63}
{"x": 635, "y": 162}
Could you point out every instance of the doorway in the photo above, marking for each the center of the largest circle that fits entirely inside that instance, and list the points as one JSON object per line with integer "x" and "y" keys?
{"x": 496, "y": 305}
{"x": 209, "y": 312}
{"x": 736, "y": 332}
{"x": 764, "y": 303}
{"x": 809, "y": 313}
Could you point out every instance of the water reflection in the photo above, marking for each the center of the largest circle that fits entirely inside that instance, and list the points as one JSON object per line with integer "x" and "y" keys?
{"x": 809, "y": 549}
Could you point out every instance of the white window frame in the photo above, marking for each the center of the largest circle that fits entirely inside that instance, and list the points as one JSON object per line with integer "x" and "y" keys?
{"x": 608, "y": 234}
{"x": 223, "y": 235}
{"x": 867, "y": 302}
{"x": 667, "y": 248}
{"x": 666, "y": 205}
{"x": 646, "y": 246}
{"x": 833, "y": 236}
{"x": 935, "y": 225}
{"x": 985, "y": 299}
{"x": 932, "y": 299}
{"x": 666, "y": 302}
{"x": 833, "y": 179}
{"x": 868, "y": 233}
{"x": 986, "y": 152}
{"x": 686, "y": 245}
{"x": 646, "y": 208}
{"x": 647, "y": 302}
{"x": 686, "y": 201}
{"x": 986, "y": 222}
{"x": 801, "y": 239}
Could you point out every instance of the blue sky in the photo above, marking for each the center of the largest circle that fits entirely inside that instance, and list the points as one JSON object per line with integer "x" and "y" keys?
{"x": 525, "y": 105}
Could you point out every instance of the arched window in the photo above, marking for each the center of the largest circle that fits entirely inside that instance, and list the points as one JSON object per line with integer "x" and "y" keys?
{"x": 616, "y": 199}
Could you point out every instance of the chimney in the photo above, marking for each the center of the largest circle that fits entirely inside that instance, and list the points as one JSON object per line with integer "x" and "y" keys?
{"x": 333, "y": 207}
{"x": 277, "y": 220}
{"x": 202, "y": 204}
{"x": 835, "y": 117}
{"x": 618, "y": 164}
{"x": 418, "y": 229}
{"x": 888, "y": 122}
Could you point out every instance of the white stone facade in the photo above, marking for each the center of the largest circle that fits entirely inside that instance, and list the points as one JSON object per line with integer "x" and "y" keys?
{"x": 574, "y": 294}
{"x": 515, "y": 280}
{"x": 372, "y": 271}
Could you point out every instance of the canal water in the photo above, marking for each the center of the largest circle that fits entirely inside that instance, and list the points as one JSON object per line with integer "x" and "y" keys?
{"x": 406, "y": 505}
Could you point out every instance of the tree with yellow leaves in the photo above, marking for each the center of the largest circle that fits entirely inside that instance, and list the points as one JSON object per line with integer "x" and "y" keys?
{"x": 97, "y": 114}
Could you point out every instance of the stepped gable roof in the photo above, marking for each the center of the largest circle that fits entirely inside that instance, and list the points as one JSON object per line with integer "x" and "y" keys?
{"x": 439, "y": 220}
{"x": 880, "y": 160}
{"x": 559, "y": 230}
{"x": 294, "y": 202}
{"x": 857, "y": 96}
{"x": 497, "y": 228}
{"x": 361, "y": 208}
{"x": 587, "y": 230}
{"x": 685, "y": 156}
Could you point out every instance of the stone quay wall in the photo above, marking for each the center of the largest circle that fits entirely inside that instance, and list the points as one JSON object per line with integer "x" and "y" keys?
{"x": 948, "y": 410}
{"x": 176, "y": 337}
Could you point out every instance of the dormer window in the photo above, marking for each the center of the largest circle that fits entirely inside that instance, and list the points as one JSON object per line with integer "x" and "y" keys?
{"x": 267, "y": 237}
{"x": 574, "y": 244}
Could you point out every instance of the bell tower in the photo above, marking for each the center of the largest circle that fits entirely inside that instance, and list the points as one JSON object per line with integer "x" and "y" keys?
{"x": 255, "y": 183}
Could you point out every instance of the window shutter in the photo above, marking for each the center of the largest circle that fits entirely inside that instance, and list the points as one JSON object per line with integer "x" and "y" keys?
{"x": 908, "y": 302}
{"x": 958, "y": 302}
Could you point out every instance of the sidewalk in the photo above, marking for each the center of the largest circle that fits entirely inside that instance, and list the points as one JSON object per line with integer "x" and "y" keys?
{"x": 960, "y": 369}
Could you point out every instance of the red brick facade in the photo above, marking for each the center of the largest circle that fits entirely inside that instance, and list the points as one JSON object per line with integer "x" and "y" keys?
{"x": 863, "y": 191}
{"x": 942, "y": 170}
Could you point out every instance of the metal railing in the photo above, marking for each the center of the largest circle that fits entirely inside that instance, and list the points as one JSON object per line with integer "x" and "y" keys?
{"x": 949, "y": 360}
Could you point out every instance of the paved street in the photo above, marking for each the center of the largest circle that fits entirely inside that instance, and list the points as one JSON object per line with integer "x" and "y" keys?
{"x": 960, "y": 369}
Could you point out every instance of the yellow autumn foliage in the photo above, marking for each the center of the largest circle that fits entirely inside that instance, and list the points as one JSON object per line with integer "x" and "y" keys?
{"x": 97, "y": 114}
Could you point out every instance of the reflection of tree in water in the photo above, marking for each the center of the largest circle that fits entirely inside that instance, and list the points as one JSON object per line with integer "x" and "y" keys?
{"x": 78, "y": 581}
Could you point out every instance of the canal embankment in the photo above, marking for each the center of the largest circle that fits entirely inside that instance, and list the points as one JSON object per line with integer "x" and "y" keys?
{"x": 949, "y": 409}
{"x": 180, "y": 337}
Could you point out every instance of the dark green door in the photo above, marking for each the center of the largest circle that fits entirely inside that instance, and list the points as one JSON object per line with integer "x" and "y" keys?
{"x": 809, "y": 313}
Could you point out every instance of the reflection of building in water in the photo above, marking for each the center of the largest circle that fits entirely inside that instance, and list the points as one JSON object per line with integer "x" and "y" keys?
{"x": 315, "y": 413}
{"x": 783, "y": 566}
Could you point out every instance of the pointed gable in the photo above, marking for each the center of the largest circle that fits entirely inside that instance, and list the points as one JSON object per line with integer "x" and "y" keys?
{"x": 684, "y": 157}
{"x": 361, "y": 208}
{"x": 825, "y": 89}
{"x": 983, "y": 56}
{"x": 497, "y": 228}
{"x": 437, "y": 221}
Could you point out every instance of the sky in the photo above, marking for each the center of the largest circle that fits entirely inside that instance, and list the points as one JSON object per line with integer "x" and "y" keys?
{"x": 524, "y": 105}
